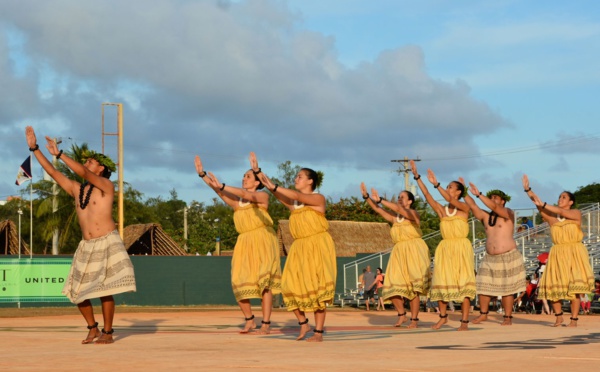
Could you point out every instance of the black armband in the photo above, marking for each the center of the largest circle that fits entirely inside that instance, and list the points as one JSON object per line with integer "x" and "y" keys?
{"x": 35, "y": 148}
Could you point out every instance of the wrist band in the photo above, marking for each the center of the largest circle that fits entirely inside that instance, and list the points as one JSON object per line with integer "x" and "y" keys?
{"x": 417, "y": 177}
{"x": 256, "y": 172}
{"x": 202, "y": 175}
{"x": 36, "y": 147}
{"x": 527, "y": 190}
{"x": 365, "y": 197}
{"x": 544, "y": 206}
{"x": 275, "y": 188}
{"x": 436, "y": 186}
{"x": 380, "y": 200}
{"x": 222, "y": 187}
{"x": 59, "y": 154}
{"x": 478, "y": 195}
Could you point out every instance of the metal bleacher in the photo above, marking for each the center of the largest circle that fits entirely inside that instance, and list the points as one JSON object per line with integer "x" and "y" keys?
{"x": 530, "y": 242}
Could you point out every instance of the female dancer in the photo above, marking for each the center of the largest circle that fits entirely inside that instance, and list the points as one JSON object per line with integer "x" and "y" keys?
{"x": 568, "y": 272}
{"x": 308, "y": 281}
{"x": 454, "y": 266}
{"x": 255, "y": 265}
{"x": 408, "y": 274}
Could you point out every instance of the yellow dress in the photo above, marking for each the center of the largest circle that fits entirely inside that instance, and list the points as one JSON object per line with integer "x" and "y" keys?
{"x": 407, "y": 273}
{"x": 308, "y": 281}
{"x": 568, "y": 271}
{"x": 255, "y": 265}
{"x": 454, "y": 267}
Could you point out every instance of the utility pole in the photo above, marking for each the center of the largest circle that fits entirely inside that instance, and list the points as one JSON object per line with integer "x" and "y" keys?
{"x": 55, "y": 233}
{"x": 405, "y": 168}
{"x": 119, "y": 163}
{"x": 185, "y": 228}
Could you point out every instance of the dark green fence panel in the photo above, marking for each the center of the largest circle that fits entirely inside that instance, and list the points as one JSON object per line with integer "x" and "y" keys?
{"x": 184, "y": 280}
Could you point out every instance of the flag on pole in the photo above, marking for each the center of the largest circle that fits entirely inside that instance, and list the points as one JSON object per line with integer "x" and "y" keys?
{"x": 24, "y": 174}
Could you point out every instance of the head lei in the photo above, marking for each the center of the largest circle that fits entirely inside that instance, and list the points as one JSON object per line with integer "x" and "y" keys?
{"x": 499, "y": 193}
{"x": 100, "y": 158}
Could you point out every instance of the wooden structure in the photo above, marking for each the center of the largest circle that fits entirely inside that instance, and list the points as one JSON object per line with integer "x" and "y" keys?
{"x": 350, "y": 237}
{"x": 9, "y": 239}
{"x": 150, "y": 239}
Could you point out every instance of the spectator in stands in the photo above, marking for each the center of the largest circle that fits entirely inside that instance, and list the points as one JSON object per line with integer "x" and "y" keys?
{"x": 308, "y": 281}
{"x": 568, "y": 272}
{"x": 585, "y": 303}
{"x": 525, "y": 224}
{"x": 407, "y": 273}
{"x": 501, "y": 272}
{"x": 369, "y": 285}
{"x": 525, "y": 295}
{"x": 379, "y": 278}
{"x": 255, "y": 265}
{"x": 539, "y": 271}
{"x": 454, "y": 271}
{"x": 596, "y": 290}
{"x": 432, "y": 305}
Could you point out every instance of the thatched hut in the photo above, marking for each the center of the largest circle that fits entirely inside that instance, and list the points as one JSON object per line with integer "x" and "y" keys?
{"x": 150, "y": 239}
{"x": 9, "y": 239}
{"x": 350, "y": 237}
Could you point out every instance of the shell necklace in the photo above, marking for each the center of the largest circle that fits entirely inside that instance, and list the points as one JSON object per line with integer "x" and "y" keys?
{"x": 84, "y": 202}
{"x": 450, "y": 214}
{"x": 399, "y": 220}
{"x": 241, "y": 203}
{"x": 560, "y": 218}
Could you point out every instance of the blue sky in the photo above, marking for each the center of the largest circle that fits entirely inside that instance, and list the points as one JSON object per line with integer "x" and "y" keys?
{"x": 483, "y": 90}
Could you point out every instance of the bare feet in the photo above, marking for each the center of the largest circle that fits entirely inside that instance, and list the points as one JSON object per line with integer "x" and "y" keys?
{"x": 401, "y": 319}
{"x": 507, "y": 320}
{"x": 265, "y": 329}
{"x": 482, "y": 317}
{"x": 464, "y": 325}
{"x": 317, "y": 337}
{"x": 414, "y": 323}
{"x": 573, "y": 323}
{"x": 304, "y": 328}
{"x": 249, "y": 326}
{"x": 93, "y": 333}
{"x": 559, "y": 320}
{"x": 105, "y": 338}
{"x": 443, "y": 320}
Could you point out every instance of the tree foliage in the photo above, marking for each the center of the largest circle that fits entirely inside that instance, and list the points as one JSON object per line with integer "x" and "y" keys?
{"x": 206, "y": 223}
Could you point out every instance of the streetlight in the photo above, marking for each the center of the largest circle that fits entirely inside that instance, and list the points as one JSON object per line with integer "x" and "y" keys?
{"x": 218, "y": 242}
{"x": 185, "y": 227}
{"x": 20, "y": 214}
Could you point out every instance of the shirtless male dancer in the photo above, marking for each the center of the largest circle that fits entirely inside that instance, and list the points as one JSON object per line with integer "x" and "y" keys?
{"x": 101, "y": 266}
{"x": 502, "y": 271}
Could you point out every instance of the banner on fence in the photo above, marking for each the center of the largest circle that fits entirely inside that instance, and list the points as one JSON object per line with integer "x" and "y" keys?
{"x": 33, "y": 280}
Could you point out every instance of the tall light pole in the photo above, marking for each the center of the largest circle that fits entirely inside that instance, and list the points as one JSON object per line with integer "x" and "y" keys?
{"x": 185, "y": 227}
{"x": 20, "y": 214}
{"x": 405, "y": 168}
{"x": 55, "y": 233}
{"x": 218, "y": 243}
{"x": 119, "y": 133}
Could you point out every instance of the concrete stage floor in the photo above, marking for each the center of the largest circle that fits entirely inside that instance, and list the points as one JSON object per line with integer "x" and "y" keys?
{"x": 199, "y": 339}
